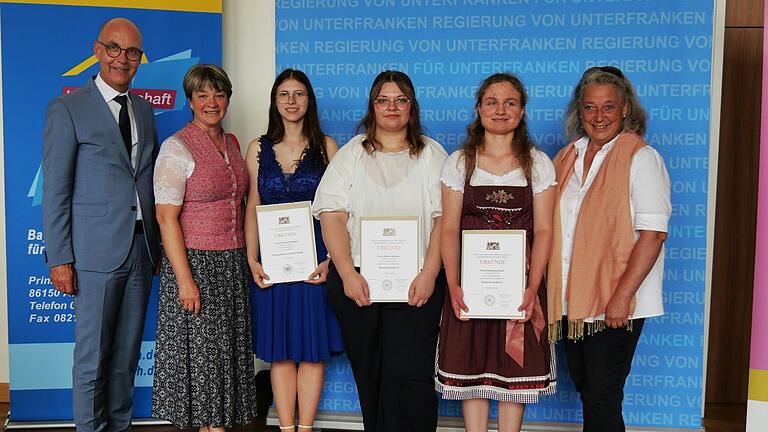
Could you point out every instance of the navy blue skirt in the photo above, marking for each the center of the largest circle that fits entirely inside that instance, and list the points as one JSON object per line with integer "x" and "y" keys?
{"x": 293, "y": 321}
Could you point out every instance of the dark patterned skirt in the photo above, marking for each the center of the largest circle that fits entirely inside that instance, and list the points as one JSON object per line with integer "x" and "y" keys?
{"x": 204, "y": 372}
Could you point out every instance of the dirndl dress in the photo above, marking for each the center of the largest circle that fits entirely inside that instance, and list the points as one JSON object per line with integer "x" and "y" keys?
{"x": 474, "y": 360}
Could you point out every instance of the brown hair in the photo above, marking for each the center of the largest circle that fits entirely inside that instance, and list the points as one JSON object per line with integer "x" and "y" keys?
{"x": 200, "y": 75}
{"x": 311, "y": 124}
{"x": 368, "y": 123}
{"x": 521, "y": 143}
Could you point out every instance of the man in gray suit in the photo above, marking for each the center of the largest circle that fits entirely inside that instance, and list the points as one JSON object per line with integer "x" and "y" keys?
{"x": 99, "y": 224}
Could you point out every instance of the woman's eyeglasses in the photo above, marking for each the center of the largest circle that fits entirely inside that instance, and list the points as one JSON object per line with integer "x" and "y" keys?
{"x": 383, "y": 102}
{"x": 298, "y": 96}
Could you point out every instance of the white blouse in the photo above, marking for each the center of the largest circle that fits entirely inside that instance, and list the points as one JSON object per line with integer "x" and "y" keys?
{"x": 173, "y": 167}
{"x": 542, "y": 174}
{"x": 650, "y": 209}
{"x": 382, "y": 184}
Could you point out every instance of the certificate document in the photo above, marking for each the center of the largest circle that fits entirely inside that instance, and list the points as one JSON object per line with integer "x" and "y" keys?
{"x": 287, "y": 241}
{"x": 493, "y": 273}
{"x": 389, "y": 255}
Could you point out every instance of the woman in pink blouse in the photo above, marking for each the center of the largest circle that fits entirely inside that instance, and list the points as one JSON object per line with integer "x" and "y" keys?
{"x": 203, "y": 359}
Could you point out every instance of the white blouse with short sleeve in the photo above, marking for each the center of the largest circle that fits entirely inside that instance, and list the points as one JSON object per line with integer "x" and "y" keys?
{"x": 542, "y": 174}
{"x": 382, "y": 184}
{"x": 173, "y": 167}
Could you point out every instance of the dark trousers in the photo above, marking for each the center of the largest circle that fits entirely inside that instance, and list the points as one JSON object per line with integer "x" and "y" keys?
{"x": 110, "y": 310}
{"x": 599, "y": 366}
{"x": 391, "y": 347}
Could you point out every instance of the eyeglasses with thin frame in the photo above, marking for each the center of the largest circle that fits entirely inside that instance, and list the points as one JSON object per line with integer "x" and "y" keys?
{"x": 114, "y": 50}
{"x": 383, "y": 102}
{"x": 285, "y": 96}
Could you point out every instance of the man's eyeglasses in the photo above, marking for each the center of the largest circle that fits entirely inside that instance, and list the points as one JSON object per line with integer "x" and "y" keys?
{"x": 382, "y": 102}
{"x": 284, "y": 97}
{"x": 114, "y": 50}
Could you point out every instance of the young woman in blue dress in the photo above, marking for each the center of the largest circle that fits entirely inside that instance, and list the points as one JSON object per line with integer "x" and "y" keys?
{"x": 294, "y": 328}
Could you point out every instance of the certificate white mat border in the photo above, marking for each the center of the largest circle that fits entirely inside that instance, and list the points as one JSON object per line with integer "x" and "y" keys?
{"x": 362, "y": 219}
{"x": 492, "y": 231}
{"x": 267, "y": 208}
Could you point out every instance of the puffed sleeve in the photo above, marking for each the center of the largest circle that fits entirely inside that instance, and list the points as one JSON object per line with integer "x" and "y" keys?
{"x": 649, "y": 191}
{"x": 173, "y": 167}
{"x": 454, "y": 171}
{"x": 438, "y": 157}
{"x": 332, "y": 193}
{"x": 543, "y": 172}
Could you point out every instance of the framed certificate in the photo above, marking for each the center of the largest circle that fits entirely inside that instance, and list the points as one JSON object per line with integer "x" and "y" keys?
{"x": 493, "y": 273}
{"x": 389, "y": 255}
{"x": 287, "y": 241}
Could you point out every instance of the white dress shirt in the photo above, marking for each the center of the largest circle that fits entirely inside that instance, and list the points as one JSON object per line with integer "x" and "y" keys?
{"x": 650, "y": 209}
{"x": 109, "y": 94}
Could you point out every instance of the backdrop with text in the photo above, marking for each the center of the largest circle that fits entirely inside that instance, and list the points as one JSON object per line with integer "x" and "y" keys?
{"x": 448, "y": 46}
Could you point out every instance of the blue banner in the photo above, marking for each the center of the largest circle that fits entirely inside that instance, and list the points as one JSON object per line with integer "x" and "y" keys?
{"x": 47, "y": 51}
{"x": 449, "y": 46}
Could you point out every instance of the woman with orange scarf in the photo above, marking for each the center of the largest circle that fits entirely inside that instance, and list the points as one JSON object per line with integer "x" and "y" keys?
{"x": 611, "y": 214}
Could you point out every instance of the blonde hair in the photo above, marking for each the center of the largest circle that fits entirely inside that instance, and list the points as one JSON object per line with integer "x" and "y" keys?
{"x": 636, "y": 118}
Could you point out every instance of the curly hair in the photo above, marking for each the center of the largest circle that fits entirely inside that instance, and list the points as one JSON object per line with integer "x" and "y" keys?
{"x": 521, "y": 143}
{"x": 636, "y": 118}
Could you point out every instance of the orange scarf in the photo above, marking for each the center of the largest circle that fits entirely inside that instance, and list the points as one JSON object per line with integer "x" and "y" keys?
{"x": 602, "y": 243}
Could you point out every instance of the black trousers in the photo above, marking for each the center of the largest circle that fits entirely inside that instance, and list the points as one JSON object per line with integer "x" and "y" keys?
{"x": 599, "y": 366}
{"x": 391, "y": 347}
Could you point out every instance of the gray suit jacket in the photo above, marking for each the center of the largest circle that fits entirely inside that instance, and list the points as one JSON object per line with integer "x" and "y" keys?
{"x": 89, "y": 184}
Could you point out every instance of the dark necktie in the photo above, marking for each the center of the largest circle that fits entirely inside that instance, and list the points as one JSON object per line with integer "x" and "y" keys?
{"x": 125, "y": 122}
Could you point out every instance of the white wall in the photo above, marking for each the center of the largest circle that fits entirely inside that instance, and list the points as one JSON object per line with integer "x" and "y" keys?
{"x": 248, "y": 57}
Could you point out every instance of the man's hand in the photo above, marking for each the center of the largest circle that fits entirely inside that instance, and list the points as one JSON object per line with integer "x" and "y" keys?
{"x": 63, "y": 278}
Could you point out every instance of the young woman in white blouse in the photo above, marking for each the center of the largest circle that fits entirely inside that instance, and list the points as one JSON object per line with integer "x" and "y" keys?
{"x": 390, "y": 170}
{"x": 497, "y": 180}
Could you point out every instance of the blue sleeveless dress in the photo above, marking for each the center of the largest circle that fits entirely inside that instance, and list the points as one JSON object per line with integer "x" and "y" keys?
{"x": 292, "y": 321}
